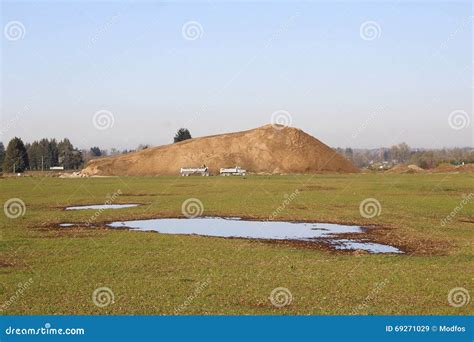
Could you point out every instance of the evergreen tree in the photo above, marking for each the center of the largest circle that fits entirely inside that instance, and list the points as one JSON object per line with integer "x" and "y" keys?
{"x": 69, "y": 157}
{"x": 182, "y": 134}
{"x": 2, "y": 155}
{"x": 16, "y": 156}
{"x": 49, "y": 152}
{"x": 35, "y": 156}
{"x": 95, "y": 151}
{"x": 53, "y": 152}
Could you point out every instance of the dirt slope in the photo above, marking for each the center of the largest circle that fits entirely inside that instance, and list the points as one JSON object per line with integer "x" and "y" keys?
{"x": 265, "y": 149}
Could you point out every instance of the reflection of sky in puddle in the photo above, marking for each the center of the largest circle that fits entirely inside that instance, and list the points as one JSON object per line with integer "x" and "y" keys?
{"x": 226, "y": 227}
{"x": 102, "y": 206}
{"x": 366, "y": 246}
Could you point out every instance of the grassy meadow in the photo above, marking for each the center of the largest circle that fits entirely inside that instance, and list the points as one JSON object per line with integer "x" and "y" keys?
{"x": 152, "y": 273}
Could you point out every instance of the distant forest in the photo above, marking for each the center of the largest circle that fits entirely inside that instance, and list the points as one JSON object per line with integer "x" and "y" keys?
{"x": 404, "y": 154}
{"x": 46, "y": 153}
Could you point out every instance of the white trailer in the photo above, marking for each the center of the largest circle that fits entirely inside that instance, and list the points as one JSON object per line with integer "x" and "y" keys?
{"x": 233, "y": 171}
{"x": 186, "y": 171}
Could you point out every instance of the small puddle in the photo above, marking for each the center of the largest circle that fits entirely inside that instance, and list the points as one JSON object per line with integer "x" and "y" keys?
{"x": 371, "y": 247}
{"x": 102, "y": 206}
{"x": 271, "y": 230}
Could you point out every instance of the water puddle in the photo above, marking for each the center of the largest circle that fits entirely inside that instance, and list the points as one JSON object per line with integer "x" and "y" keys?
{"x": 270, "y": 230}
{"x": 371, "y": 247}
{"x": 102, "y": 206}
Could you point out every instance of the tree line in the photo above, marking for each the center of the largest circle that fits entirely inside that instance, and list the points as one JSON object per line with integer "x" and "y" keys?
{"x": 46, "y": 153}
{"x": 404, "y": 154}
{"x": 39, "y": 155}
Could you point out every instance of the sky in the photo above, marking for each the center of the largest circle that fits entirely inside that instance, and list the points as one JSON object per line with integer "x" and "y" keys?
{"x": 353, "y": 74}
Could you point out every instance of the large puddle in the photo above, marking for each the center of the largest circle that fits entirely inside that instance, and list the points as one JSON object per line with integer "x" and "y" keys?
{"x": 270, "y": 230}
{"x": 102, "y": 206}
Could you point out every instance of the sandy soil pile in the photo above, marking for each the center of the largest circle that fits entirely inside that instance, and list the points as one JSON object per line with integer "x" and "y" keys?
{"x": 402, "y": 168}
{"x": 265, "y": 149}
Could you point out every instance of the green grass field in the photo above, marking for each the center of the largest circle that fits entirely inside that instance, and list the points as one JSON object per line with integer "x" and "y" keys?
{"x": 151, "y": 273}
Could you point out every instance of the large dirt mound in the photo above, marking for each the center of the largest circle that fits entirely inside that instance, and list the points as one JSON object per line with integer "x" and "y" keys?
{"x": 267, "y": 149}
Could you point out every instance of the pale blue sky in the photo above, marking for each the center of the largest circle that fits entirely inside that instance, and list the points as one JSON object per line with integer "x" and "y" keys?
{"x": 252, "y": 59}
